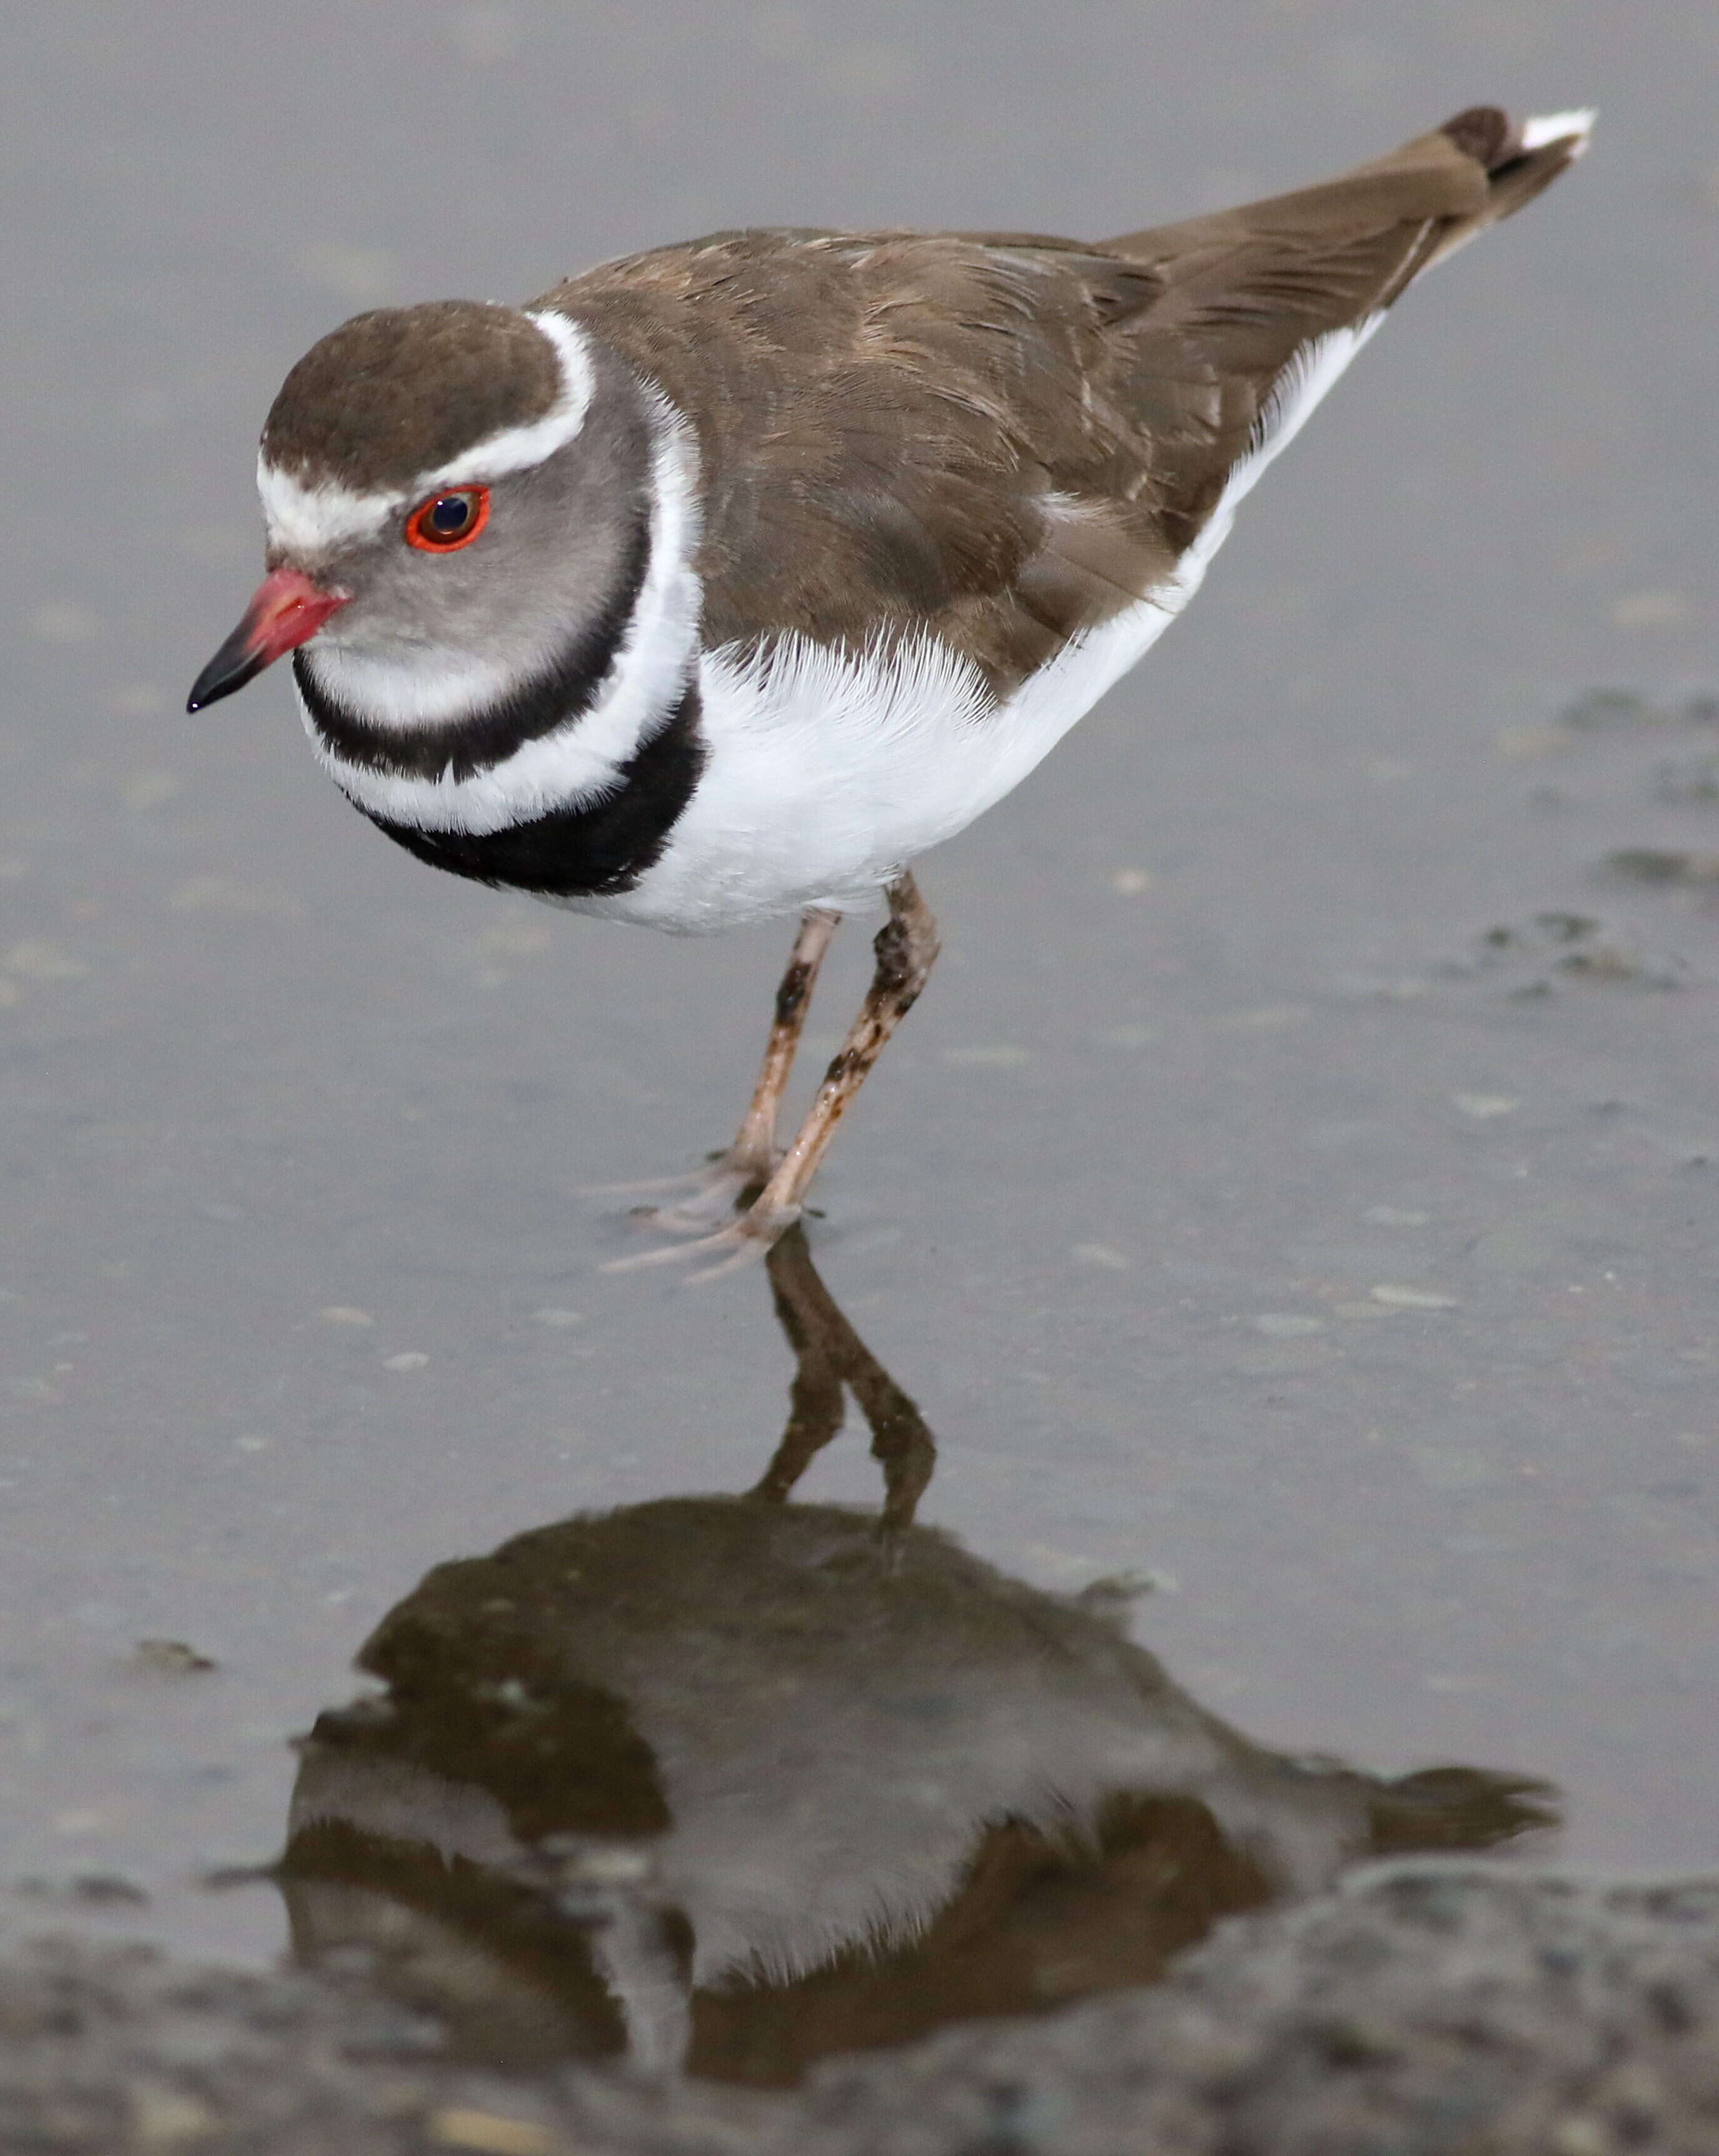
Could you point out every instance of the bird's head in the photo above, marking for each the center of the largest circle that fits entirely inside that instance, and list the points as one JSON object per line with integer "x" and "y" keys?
{"x": 451, "y": 492}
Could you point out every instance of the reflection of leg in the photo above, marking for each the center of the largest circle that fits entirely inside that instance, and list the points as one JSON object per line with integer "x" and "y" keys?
{"x": 815, "y": 1403}
{"x": 900, "y": 1443}
{"x": 906, "y": 945}
{"x": 828, "y": 1352}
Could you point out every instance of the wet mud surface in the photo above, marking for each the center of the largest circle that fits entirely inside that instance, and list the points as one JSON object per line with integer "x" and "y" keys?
{"x": 1286, "y": 1223}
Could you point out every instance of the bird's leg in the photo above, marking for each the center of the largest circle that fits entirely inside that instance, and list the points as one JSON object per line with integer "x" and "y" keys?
{"x": 754, "y": 1146}
{"x": 906, "y": 946}
{"x": 828, "y": 1354}
{"x": 746, "y": 1166}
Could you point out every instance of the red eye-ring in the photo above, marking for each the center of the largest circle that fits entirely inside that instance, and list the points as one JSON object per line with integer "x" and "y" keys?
{"x": 448, "y": 521}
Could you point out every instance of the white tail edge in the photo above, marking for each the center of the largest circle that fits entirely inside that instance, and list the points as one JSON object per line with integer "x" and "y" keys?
{"x": 1559, "y": 127}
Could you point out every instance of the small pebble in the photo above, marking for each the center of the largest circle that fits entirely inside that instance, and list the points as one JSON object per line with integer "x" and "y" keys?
{"x": 460, "y": 2126}
{"x": 1614, "y": 707}
{"x": 96, "y": 1889}
{"x": 363, "y": 276}
{"x": 138, "y": 700}
{"x": 1520, "y": 744}
{"x": 516, "y": 939}
{"x": 1652, "y": 864}
{"x": 609, "y": 1867}
{"x": 1649, "y": 610}
{"x": 344, "y": 1313}
{"x": 169, "y": 1658}
{"x": 65, "y": 622}
{"x": 168, "y": 2118}
{"x": 411, "y": 1360}
{"x": 1393, "y": 1297}
{"x": 36, "y": 959}
{"x": 148, "y": 789}
{"x": 1580, "y": 2137}
{"x": 1482, "y": 1107}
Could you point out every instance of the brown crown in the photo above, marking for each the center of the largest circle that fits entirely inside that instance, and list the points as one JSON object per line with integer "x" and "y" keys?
{"x": 396, "y": 391}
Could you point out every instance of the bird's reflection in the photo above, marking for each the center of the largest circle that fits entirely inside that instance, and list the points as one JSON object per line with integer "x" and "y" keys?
{"x": 725, "y": 1784}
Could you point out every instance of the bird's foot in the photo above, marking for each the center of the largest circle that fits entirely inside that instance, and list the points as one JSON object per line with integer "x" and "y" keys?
{"x": 721, "y": 1186}
{"x": 728, "y": 1250}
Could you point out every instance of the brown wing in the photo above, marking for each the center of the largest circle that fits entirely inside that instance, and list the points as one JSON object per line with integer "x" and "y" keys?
{"x": 1244, "y": 291}
{"x": 1009, "y": 436}
{"x": 885, "y": 420}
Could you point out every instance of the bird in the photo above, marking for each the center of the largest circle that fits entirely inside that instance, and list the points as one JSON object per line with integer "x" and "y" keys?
{"x": 723, "y": 581}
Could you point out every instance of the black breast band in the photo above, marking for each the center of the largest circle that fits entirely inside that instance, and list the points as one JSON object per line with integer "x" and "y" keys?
{"x": 461, "y": 748}
{"x": 583, "y": 852}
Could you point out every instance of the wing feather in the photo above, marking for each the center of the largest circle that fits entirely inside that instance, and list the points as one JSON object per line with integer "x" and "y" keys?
{"x": 1008, "y": 437}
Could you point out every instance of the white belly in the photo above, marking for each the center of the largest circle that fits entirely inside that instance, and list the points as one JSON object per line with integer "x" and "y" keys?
{"x": 829, "y": 772}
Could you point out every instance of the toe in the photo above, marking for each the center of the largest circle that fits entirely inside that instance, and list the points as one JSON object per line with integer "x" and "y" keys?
{"x": 737, "y": 1244}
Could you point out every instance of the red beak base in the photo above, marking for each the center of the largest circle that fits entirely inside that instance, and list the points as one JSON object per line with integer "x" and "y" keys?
{"x": 287, "y": 608}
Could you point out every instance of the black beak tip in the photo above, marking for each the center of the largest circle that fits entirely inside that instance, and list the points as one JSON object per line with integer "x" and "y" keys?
{"x": 231, "y": 666}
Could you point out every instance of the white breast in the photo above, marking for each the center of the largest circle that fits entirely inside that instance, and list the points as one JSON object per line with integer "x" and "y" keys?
{"x": 830, "y": 771}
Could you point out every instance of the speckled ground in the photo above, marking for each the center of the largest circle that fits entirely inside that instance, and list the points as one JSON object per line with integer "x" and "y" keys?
{"x": 1424, "y": 2012}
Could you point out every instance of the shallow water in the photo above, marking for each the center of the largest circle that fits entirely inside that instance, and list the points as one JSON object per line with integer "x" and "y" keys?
{"x": 1296, "y": 1191}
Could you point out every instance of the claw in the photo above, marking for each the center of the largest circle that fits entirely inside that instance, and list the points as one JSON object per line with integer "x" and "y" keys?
{"x": 706, "y": 1206}
{"x": 726, "y": 1175}
{"x": 737, "y": 1244}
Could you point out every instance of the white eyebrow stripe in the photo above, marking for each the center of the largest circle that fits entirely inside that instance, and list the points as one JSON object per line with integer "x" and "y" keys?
{"x": 310, "y": 520}
{"x": 316, "y": 518}
{"x": 517, "y": 449}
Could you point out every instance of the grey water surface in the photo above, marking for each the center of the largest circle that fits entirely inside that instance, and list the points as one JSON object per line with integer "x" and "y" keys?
{"x": 1297, "y": 1191}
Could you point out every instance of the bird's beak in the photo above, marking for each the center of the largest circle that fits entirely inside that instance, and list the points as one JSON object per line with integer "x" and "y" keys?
{"x": 286, "y": 608}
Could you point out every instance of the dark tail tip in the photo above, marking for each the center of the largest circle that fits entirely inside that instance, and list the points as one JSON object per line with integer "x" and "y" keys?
{"x": 1484, "y": 133}
{"x": 1519, "y": 157}
{"x": 1499, "y": 144}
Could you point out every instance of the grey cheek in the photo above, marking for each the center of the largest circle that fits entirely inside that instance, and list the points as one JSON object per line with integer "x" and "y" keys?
{"x": 469, "y": 603}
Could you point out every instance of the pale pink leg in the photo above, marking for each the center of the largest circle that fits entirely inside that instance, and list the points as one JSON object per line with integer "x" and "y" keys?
{"x": 747, "y": 1164}
{"x": 754, "y": 1146}
{"x": 906, "y": 946}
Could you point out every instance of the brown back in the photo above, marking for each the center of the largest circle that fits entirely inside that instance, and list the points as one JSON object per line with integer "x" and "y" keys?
{"x": 1009, "y": 436}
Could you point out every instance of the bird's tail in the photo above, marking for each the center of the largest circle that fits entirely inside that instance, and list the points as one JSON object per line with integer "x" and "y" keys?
{"x": 1518, "y": 158}
{"x": 1433, "y": 193}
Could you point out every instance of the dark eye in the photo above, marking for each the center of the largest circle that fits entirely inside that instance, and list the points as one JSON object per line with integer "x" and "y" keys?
{"x": 448, "y": 521}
